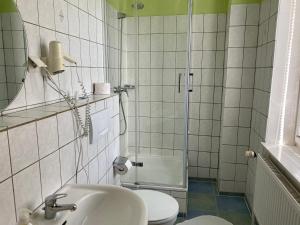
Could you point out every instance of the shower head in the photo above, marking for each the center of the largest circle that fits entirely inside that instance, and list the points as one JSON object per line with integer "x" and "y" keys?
{"x": 121, "y": 15}
{"x": 138, "y": 5}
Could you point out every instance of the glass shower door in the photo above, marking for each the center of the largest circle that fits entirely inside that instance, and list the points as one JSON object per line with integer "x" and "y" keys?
{"x": 159, "y": 107}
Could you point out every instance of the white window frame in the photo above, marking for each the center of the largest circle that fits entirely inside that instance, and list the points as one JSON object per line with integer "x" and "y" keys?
{"x": 282, "y": 118}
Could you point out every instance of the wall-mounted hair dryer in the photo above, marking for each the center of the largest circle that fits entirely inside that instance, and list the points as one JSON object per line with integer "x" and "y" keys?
{"x": 55, "y": 60}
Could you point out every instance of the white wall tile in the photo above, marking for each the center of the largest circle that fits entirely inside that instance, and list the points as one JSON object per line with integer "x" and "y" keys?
{"x": 145, "y": 60}
{"x": 26, "y": 8}
{"x": 246, "y": 98}
{"x": 249, "y": 57}
{"x": 251, "y": 36}
{"x": 144, "y": 25}
{"x": 210, "y": 23}
{"x": 27, "y": 188}
{"x": 209, "y": 41}
{"x": 73, "y": 18}
{"x": 204, "y": 159}
{"x": 156, "y": 60}
{"x": 157, "y": 42}
{"x": 222, "y": 22}
{"x": 235, "y": 57}
{"x": 197, "y": 41}
{"x": 169, "y": 42}
{"x": 236, "y": 36}
{"x": 144, "y": 42}
{"x": 65, "y": 128}
{"x": 238, "y": 15}
{"x": 226, "y": 186}
{"x": 67, "y": 162}
{"x": 92, "y": 7}
{"x": 228, "y": 171}
{"x": 47, "y": 136}
{"x": 170, "y": 24}
{"x": 252, "y": 14}
{"x": 243, "y": 136}
{"x": 83, "y": 4}
{"x": 46, "y": 13}
{"x": 7, "y": 209}
{"x": 94, "y": 171}
{"x": 229, "y": 135}
{"x": 209, "y": 59}
{"x": 228, "y": 154}
{"x": 23, "y": 146}
{"x": 203, "y": 172}
{"x": 198, "y": 23}
{"x": 50, "y": 174}
{"x": 92, "y": 28}
{"x": 5, "y": 167}
{"x": 241, "y": 172}
{"x": 232, "y": 98}
{"x": 231, "y": 117}
{"x": 132, "y": 26}
{"x": 181, "y": 24}
{"x": 156, "y": 24}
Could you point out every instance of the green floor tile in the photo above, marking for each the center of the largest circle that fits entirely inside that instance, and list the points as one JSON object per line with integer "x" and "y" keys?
{"x": 202, "y": 202}
{"x": 203, "y": 199}
{"x": 179, "y": 220}
{"x": 236, "y": 218}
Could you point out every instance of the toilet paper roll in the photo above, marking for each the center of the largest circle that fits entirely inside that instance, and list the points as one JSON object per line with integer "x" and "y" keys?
{"x": 122, "y": 165}
{"x": 101, "y": 88}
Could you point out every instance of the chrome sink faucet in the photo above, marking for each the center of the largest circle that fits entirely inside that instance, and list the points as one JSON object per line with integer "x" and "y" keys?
{"x": 52, "y": 208}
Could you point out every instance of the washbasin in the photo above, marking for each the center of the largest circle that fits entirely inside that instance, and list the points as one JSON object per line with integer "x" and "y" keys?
{"x": 98, "y": 205}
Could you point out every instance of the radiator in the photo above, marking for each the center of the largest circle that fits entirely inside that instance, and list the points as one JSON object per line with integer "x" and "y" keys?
{"x": 276, "y": 201}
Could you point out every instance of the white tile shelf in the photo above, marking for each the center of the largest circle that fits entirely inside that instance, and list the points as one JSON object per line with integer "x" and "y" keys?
{"x": 22, "y": 117}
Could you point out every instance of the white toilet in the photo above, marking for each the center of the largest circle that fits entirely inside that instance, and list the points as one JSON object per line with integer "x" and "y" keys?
{"x": 206, "y": 220}
{"x": 162, "y": 208}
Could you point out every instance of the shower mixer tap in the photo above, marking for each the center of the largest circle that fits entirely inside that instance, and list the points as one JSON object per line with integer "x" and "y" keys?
{"x": 125, "y": 88}
{"x": 119, "y": 90}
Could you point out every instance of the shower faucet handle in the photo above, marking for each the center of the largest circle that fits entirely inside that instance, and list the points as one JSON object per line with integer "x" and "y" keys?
{"x": 129, "y": 86}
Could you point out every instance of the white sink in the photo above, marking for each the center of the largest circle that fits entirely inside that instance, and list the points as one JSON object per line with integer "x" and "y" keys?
{"x": 98, "y": 205}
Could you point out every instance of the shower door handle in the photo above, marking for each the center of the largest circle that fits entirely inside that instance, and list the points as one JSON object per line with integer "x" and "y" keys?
{"x": 137, "y": 164}
{"x": 191, "y": 82}
{"x": 179, "y": 82}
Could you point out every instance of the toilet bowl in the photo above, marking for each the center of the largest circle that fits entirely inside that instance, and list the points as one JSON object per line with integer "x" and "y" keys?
{"x": 162, "y": 208}
{"x": 206, "y": 220}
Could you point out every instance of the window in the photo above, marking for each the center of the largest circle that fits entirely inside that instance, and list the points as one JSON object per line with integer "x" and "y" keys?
{"x": 282, "y": 121}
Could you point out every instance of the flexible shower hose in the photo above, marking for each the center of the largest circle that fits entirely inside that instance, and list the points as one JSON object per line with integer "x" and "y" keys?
{"x": 123, "y": 112}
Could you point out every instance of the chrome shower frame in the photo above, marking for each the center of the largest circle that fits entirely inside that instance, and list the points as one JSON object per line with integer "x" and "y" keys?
{"x": 187, "y": 87}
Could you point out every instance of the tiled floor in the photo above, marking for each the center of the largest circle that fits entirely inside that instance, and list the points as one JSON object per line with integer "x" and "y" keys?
{"x": 205, "y": 200}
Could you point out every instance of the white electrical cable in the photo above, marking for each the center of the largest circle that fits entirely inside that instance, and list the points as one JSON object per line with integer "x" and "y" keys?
{"x": 78, "y": 120}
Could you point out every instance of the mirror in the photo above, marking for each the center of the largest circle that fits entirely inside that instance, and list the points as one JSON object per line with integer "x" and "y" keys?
{"x": 13, "y": 52}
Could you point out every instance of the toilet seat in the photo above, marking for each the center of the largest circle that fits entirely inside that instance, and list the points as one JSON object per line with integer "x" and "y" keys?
{"x": 206, "y": 220}
{"x": 171, "y": 220}
{"x": 162, "y": 208}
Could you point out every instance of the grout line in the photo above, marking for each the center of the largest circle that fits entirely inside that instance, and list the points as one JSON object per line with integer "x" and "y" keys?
{"x": 11, "y": 177}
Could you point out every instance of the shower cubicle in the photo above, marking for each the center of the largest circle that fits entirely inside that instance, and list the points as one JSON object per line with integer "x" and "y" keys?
{"x": 196, "y": 73}
{"x": 154, "y": 81}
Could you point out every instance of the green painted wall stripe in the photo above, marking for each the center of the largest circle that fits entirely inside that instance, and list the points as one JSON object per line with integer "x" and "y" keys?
{"x": 234, "y": 2}
{"x": 175, "y": 7}
{"x": 7, "y": 6}
{"x": 209, "y": 6}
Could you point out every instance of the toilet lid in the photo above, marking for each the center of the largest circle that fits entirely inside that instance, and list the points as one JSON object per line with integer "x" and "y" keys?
{"x": 160, "y": 206}
{"x": 206, "y": 220}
